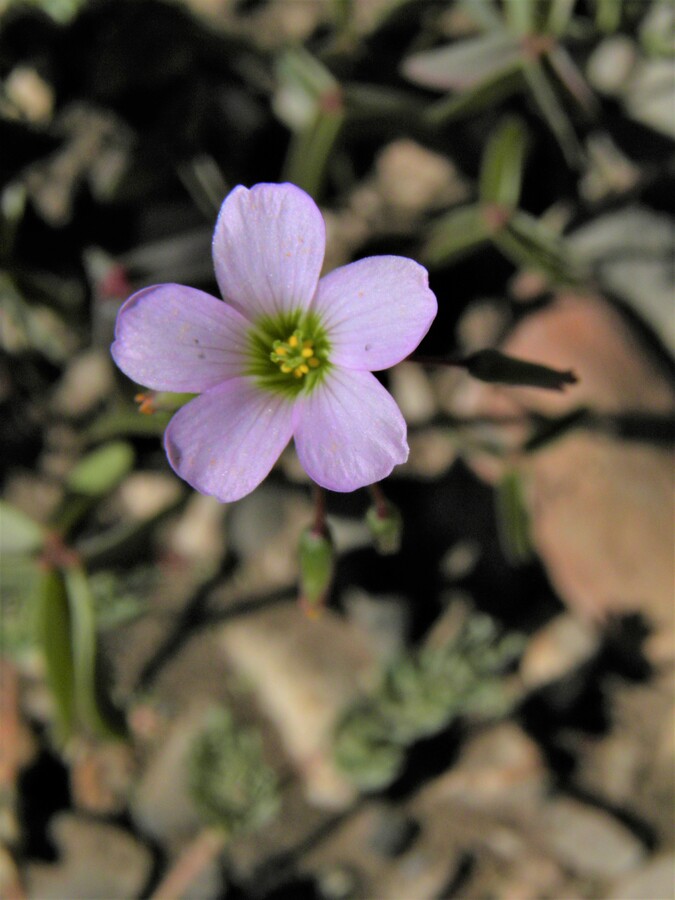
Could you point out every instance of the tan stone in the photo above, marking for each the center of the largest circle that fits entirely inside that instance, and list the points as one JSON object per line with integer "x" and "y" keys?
{"x": 304, "y": 671}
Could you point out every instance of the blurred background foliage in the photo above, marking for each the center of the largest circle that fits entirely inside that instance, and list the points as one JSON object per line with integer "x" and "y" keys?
{"x": 522, "y": 151}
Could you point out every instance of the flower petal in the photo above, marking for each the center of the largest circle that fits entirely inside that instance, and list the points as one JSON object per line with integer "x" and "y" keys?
{"x": 375, "y": 311}
{"x": 225, "y": 442}
{"x": 268, "y": 249}
{"x": 350, "y": 432}
{"x": 175, "y": 338}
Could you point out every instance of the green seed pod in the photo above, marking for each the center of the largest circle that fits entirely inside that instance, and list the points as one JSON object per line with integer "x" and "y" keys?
{"x": 316, "y": 557}
{"x": 386, "y": 527}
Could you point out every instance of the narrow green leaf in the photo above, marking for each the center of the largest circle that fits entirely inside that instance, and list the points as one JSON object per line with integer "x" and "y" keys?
{"x": 455, "y": 233}
{"x": 54, "y": 634}
{"x": 502, "y": 164}
{"x": 464, "y": 64}
{"x": 81, "y": 603}
{"x": 513, "y": 521}
{"x": 486, "y": 93}
{"x": 101, "y": 470}
{"x": 559, "y": 16}
{"x": 553, "y": 112}
{"x": 520, "y": 15}
{"x": 529, "y": 244}
{"x": 127, "y": 423}
{"x": 311, "y": 149}
{"x": 484, "y": 13}
{"x": 19, "y": 534}
{"x": 608, "y": 15}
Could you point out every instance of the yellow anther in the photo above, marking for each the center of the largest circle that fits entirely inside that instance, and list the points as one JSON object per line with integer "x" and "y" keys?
{"x": 281, "y": 351}
{"x": 298, "y": 373}
{"x": 285, "y": 368}
{"x": 307, "y": 352}
{"x": 309, "y": 344}
{"x": 292, "y": 341}
{"x": 303, "y": 369}
{"x": 313, "y": 362}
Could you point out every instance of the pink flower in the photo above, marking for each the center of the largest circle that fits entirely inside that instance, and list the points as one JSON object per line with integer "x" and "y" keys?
{"x": 286, "y": 355}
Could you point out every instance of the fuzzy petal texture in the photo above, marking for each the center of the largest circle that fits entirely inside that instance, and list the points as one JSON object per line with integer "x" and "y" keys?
{"x": 268, "y": 249}
{"x": 350, "y": 432}
{"x": 375, "y": 311}
{"x": 175, "y": 338}
{"x": 225, "y": 442}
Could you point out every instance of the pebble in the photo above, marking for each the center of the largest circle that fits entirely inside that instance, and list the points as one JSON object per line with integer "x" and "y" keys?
{"x": 303, "y": 671}
{"x": 654, "y": 881}
{"x": 588, "y": 840}
{"x": 561, "y": 647}
{"x": 97, "y": 861}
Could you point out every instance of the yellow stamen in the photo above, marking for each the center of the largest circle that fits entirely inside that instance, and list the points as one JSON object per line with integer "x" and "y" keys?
{"x": 281, "y": 351}
{"x": 307, "y": 352}
{"x": 298, "y": 373}
{"x": 293, "y": 341}
{"x": 303, "y": 369}
{"x": 285, "y": 368}
{"x": 313, "y": 362}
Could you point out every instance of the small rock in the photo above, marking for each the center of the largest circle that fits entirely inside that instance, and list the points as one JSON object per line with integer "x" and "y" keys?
{"x": 383, "y": 618}
{"x": 144, "y": 494}
{"x": 588, "y": 840}
{"x": 654, "y": 880}
{"x": 461, "y": 559}
{"x": 304, "y": 672}
{"x": 87, "y": 381}
{"x": 558, "y": 649}
{"x": 412, "y": 391}
{"x": 499, "y": 767}
{"x": 413, "y": 180}
{"x": 199, "y": 534}
{"x": 100, "y": 777}
{"x": 432, "y": 452}
{"x": 97, "y": 861}
{"x": 161, "y": 803}
{"x": 610, "y": 64}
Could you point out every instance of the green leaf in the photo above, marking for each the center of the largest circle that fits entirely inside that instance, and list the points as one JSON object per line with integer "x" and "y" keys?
{"x": 464, "y": 64}
{"x": 502, "y": 164}
{"x": 498, "y": 368}
{"x": 19, "y": 534}
{"x": 532, "y": 245}
{"x": 608, "y": 14}
{"x": 486, "y": 93}
{"x": 513, "y": 521}
{"x": 454, "y": 234}
{"x": 559, "y": 16}
{"x": 520, "y": 15}
{"x": 89, "y": 708}
{"x": 311, "y": 149}
{"x": 54, "y": 634}
{"x": 97, "y": 473}
{"x": 126, "y": 422}
{"x": 553, "y": 112}
{"x": 231, "y": 783}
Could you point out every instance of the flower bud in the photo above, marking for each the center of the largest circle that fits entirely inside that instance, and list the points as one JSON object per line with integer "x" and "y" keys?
{"x": 316, "y": 557}
{"x": 386, "y": 526}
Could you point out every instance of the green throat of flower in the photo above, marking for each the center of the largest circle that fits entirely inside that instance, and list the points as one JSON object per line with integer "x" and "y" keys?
{"x": 289, "y": 353}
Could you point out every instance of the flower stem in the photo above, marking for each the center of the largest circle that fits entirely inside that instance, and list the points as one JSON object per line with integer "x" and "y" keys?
{"x": 379, "y": 500}
{"x": 201, "y": 851}
{"x": 319, "y": 526}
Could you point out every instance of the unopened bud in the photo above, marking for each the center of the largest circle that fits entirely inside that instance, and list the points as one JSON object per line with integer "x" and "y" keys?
{"x": 316, "y": 557}
{"x": 386, "y": 527}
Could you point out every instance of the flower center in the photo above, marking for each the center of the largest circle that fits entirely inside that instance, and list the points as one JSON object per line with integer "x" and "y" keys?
{"x": 296, "y": 355}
